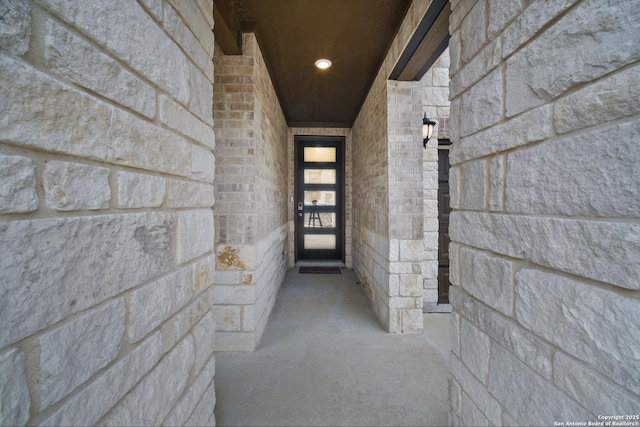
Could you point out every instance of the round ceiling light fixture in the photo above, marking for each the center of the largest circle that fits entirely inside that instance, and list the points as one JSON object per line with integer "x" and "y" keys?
{"x": 323, "y": 64}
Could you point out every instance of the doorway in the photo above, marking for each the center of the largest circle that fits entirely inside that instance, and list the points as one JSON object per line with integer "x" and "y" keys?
{"x": 444, "y": 209}
{"x": 319, "y": 204}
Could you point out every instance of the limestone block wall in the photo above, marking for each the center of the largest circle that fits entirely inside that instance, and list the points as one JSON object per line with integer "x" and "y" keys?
{"x": 251, "y": 207}
{"x": 431, "y": 224}
{"x": 106, "y": 188}
{"x": 434, "y": 98}
{"x": 388, "y": 253}
{"x": 545, "y": 187}
{"x": 348, "y": 177}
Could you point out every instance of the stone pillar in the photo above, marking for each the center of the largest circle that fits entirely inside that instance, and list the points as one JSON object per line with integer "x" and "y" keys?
{"x": 435, "y": 104}
{"x": 388, "y": 205}
{"x": 545, "y": 187}
{"x": 406, "y": 207}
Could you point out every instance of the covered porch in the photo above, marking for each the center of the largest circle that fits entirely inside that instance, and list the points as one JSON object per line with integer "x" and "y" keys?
{"x": 324, "y": 359}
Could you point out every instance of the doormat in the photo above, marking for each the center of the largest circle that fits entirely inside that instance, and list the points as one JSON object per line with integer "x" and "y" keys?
{"x": 319, "y": 270}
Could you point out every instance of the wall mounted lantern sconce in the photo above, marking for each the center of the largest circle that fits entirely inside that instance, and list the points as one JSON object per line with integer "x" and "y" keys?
{"x": 427, "y": 129}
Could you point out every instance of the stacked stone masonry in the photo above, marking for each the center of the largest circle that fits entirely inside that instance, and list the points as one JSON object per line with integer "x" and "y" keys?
{"x": 431, "y": 224}
{"x": 251, "y": 206}
{"x": 117, "y": 269}
{"x": 389, "y": 255}
{"x": 407, "y": 265}
{"x": 545, "y": 188}
{"x": 371, "y": 204}
{"x": 434, "y": 90}
{"x": 435, "y": 96}
{"x": 106, "y": 188}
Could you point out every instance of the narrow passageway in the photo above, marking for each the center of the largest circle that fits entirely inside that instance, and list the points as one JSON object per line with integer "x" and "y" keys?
{"x": 325, "y": 360}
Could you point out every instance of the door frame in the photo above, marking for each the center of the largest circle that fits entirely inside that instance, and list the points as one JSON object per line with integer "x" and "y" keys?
{"x": 444, "y": 146}
{"x": 321, "y": 140}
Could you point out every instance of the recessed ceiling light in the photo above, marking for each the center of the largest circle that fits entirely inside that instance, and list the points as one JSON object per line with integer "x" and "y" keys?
{"x": 323, "y": 64}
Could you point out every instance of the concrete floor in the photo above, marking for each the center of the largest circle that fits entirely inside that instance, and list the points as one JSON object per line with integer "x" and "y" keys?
{"x": 325, "y": 360}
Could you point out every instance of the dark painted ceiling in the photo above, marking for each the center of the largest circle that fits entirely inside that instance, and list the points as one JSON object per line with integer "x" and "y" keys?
{"x": 354, "y": 34}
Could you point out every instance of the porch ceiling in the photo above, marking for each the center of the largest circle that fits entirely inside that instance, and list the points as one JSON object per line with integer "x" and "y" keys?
{"x": 354, "y": 34}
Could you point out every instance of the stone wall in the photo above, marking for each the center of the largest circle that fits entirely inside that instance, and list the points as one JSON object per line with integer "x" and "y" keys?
{"x": 251, "y": 205}
{"x": 348, "y": 180}
{"x": 388, "y": 216}
{"x": 545, "y": 187}
{"x": 434, "y": 98}
{"x": 370, "y": 201}
{"x": 406, "y": 217}
{"x": 106, "y": 188}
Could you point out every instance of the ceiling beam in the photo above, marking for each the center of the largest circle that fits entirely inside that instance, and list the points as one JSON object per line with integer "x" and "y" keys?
{"x": 293, "y": 124}
{"x": 227, "y": 27}
{"x": 430, "y": 39}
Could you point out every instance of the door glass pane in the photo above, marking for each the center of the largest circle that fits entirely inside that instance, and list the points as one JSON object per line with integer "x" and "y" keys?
{"x": 320, "y": 154}
{"x": 319, "y": 241}
{"x": 322, "y": 198}
{"x": 320, "y": 220}
{"x": 319, "y": 176}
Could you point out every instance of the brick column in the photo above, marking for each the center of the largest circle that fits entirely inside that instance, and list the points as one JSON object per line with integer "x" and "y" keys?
{"x": 251, "y": 205}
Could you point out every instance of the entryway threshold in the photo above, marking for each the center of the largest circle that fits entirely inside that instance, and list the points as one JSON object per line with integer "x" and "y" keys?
{"x": 434, "y": 307}
{"x": 320, "y": 263}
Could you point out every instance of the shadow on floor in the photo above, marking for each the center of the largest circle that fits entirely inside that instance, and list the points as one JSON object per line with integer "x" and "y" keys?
{"x": 325, "y": 360}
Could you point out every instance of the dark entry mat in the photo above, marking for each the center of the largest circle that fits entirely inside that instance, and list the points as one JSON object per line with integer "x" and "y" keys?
{"x": 319, "y": 270}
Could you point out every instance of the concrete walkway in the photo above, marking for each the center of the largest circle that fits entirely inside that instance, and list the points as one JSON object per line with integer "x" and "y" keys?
{"x": 324, "y": 360}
